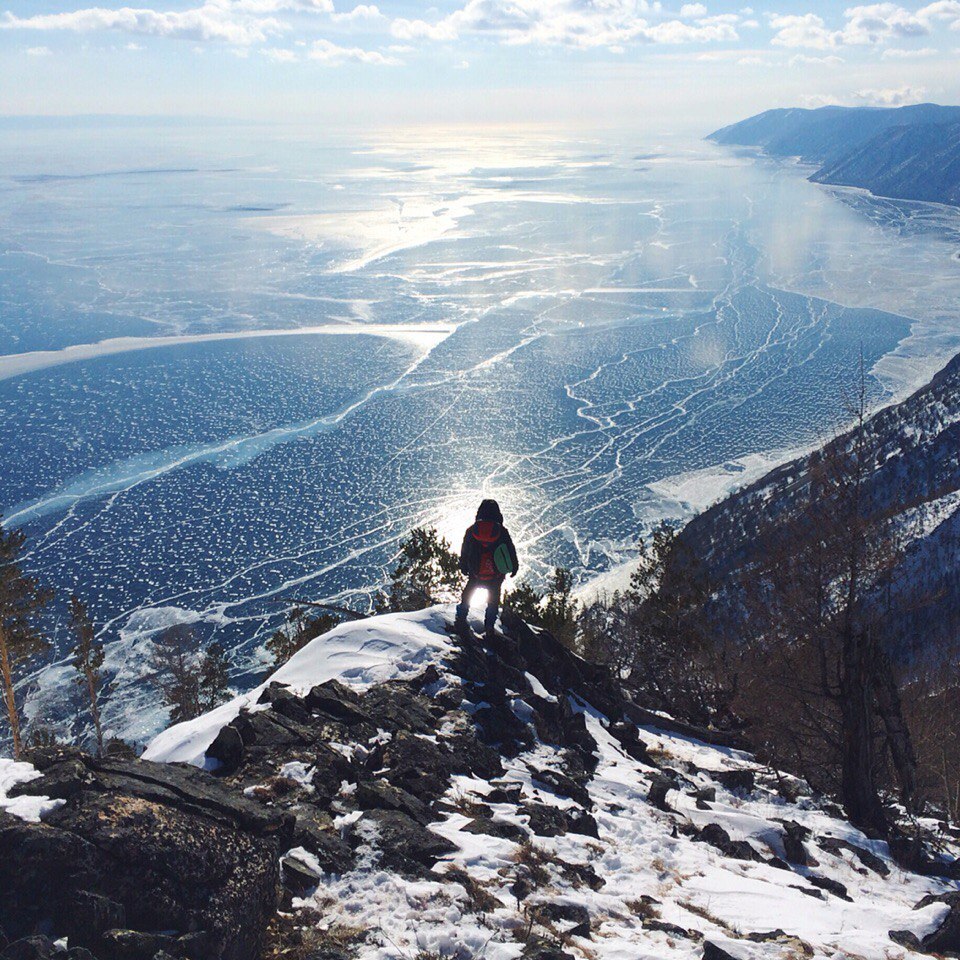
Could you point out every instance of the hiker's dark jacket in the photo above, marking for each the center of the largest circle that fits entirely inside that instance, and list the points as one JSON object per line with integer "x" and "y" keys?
{"x": 481, "y": 540}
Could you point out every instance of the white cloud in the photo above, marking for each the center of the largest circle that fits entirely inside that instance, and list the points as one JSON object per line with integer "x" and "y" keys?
{"x": 864, "y": 25}
{"x": 891, "y": 98}
{"x": 692, "y": 10}
{"x": 279, "y": 55}
{"x": 803, "y": 30}
{"x": 578, "y": 23}
{"x": 754, "y": 62}
{"x": 209, "y": 22}
{"x": 328, "y": 52}
{"x": 900, "y": 53}
{"x": 879, "y": 22}
{"x": 362, "y": 11}
{"x": 462, "y": 65}
{"x": 133, "y": 46}
{"x": 802, "y": 59}
{"x": 38, "y": 52}
{"x": 240, "y": 22}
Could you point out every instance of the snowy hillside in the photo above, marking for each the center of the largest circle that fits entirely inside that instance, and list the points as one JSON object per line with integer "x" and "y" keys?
{"x": 912, "y": 473}
{"x": 452, "y": 800}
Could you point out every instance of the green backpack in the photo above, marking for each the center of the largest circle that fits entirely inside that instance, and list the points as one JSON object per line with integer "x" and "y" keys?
{"x": 502, "y": 559}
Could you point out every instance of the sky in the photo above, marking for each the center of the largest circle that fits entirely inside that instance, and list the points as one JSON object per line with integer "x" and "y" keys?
{"x": 594, "y": 63}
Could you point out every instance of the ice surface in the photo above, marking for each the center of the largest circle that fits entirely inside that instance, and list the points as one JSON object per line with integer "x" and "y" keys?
{"x": 609, "y": 342}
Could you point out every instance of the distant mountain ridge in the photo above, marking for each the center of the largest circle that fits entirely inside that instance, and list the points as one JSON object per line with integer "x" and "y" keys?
{"x": 907, "y": 153}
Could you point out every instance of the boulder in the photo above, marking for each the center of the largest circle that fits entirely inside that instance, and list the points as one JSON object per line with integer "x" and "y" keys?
{"x": 793, "y": 838}
{"x": 946, "y": 938}
{"x": 403, "y": 843}
{"x": 298, "y": 877}
{"x": 831, "y": 886}
{"x": 421, "y": 767}
{"x": 836, "y": 846}
{"x": 712, "y": 951}
{"x": 380, "y": 795}
{"x": 543, "y": 820}
{"x": 31, "y": 948}
{"x": 336, "y": 700}
{"x": 736, "y": 781}
{"x": 563, "y": 785}
{"x": 142, "y": 847}
{"x": 227, "y": 750}
{"x": 314, "y": 832}
{"x": 573, "y": 917}
{"x": 496, "y": 828}
{"x": 393, "y": 706}
{"x": 660, "y": 786}
{"x": 717, "y": 837}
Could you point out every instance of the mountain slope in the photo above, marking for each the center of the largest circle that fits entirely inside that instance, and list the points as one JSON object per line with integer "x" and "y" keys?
{"x": 913, "y": 474}
{"x": 907, "y": 153}
{"x": 456, "y": 800}
{"x": 913, "y": 162}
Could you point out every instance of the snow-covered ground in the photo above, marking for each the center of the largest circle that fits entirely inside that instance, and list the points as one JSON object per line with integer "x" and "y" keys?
{"x": 27, "y": 808}
{"x": 359, "y": 653}
{"x": 654, "y": 871}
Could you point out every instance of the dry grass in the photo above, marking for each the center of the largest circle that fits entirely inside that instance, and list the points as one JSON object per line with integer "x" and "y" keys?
{"x": 275, "y": 787}
{"x": 645, "y": 908}
{"x": 533, "y": 860}
{"x": 298, "y": 936}
{"x": 480, "y": 899}
{"x": 705, "y": 914}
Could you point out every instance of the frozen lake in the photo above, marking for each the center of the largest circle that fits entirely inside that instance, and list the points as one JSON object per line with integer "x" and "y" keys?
{"x": 238, "y": 365}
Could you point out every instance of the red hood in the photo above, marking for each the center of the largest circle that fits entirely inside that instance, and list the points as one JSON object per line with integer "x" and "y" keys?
{"x": 486, "y": 531}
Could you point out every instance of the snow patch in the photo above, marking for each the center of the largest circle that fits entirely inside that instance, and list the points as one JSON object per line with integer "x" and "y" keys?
{"x": 360, "y": 654}
{"x": 26, "y": 808}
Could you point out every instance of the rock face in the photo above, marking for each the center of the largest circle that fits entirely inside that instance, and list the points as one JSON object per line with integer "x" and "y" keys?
{"x": 480, "y": 798}
{"x": 137, "y": 848}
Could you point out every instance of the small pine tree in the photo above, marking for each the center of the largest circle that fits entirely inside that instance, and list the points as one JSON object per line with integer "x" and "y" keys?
{"x": 297, "y": 632}
{"x": 42, "y": 737}
{"x": 21, "y": 599}
{"x": 428, "y": 572}
{"x": 561, "y": 611}
{"x": 525, "y": 601}
{"x": 554, "y": 609}
{"x": 173, "y": 664}
{"x": 88, "y": 662}
{"x": 214, "y": 676}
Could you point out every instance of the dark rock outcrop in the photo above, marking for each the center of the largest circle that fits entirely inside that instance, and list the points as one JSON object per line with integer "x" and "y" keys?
{"x": 140, "y": 847}
{"x": 946, "y": 938}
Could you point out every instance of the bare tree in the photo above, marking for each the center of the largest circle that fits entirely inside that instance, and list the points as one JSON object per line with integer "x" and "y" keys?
{"x": 88, "y": 661}
{"x": 821, "y": 687}
{"x": 21, "y": 600}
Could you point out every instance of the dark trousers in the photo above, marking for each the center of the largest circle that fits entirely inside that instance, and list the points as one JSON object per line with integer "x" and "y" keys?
{"x": 493, "y": 600}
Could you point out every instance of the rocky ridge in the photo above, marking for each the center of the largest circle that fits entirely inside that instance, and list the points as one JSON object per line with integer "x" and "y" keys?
{"x": 450, "y": 799}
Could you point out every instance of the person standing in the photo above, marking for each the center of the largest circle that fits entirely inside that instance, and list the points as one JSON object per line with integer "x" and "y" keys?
{"x": 487, "y": 557}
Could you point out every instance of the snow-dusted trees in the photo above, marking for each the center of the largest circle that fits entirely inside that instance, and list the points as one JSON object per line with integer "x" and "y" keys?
{"x": 88, "y": 662}
{"x": 21, "y": 600}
